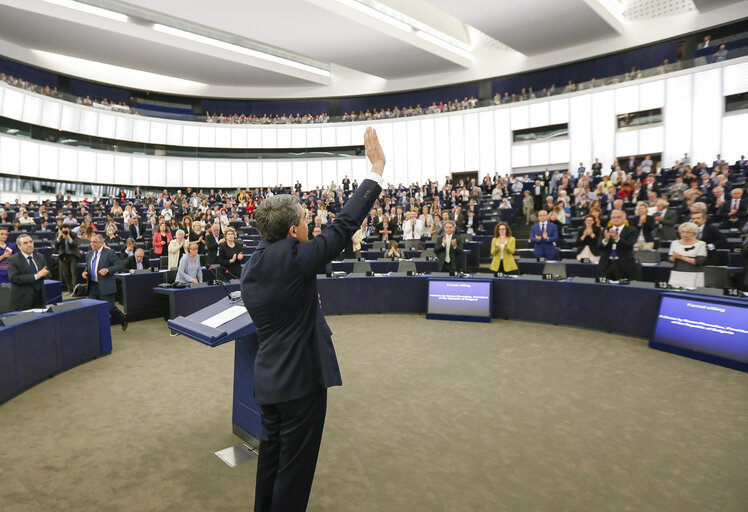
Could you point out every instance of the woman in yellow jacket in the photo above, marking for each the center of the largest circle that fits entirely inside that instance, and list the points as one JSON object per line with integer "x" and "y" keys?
{"x": 503, "y": 245}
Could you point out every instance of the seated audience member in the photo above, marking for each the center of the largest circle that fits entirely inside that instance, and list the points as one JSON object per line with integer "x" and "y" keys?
{"x": 448, "y": 249}
{"x": 161, "y": 239}
{"x": 111, "y": 237}
{"x": 177, "y": 248}
{"x": 316, "y": 231}
{"x": 26, "y": 272}
{"x": 708, "y": 233}
{"x": 230, "y": 255}
{"x": 136, "y": 261}
{"x": 7, "y": 249}
{"x": 616, "y": 248}
{"x": 644, "y": 225}
{"x": 688, "y": 255}
{"x": 129, "y": 249}
{"x": 543, "y": 237}
{"x": 587, "y": 240}
{"x": 503, "y": 245}
{"x": 393, "y": 251}
{"x": 190, "y": 270}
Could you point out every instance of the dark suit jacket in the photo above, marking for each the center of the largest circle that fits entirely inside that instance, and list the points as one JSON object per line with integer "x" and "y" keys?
{"x": 110, "y": 261}
{"x": 211, "y": 245}
{"x": 22, "y": 282}
{"x": 130, "y": 264}
{"x": 647, "y": 227}
{"x": 134, "y": 235}
{"x": 71, "y": 248}
{"x": 454, "y": 254}
{"x": 296, "y": 356}
{"x": 624, "y": 249}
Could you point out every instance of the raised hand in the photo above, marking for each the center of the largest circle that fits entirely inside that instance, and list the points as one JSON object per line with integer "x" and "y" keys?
{"x": 374, "y": 151}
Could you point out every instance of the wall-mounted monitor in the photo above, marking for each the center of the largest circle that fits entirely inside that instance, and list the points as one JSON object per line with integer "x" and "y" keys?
{"x": 459, "y": 299}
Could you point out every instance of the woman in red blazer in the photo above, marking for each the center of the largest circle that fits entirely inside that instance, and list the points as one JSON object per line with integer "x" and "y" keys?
{"x": 161, "y": 239}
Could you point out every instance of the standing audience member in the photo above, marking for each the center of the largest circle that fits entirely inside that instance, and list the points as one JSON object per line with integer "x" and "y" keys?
{"x": 543, "y": 237}
{"x": 26, "y": 271}
{"x": 101, "y": 265}
{"x": 587, "y": 240}
{"x": 161, "y": 239}
{"x": 230, "y": 255}
{"x": 503, "y": 246}
{"x": 688, "y": 255}
{"x": 68, "y": 255}
{"x": 644, "y": 225}
{"x": 7, "y": 249}
{"x": 213, "y": 241}
{"x": 448, "y": 249}
{"x": 617, "y": 249}
{"x": 177, "y": 249}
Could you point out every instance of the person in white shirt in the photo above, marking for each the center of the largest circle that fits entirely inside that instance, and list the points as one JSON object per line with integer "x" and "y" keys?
{"x": 412, "y": 227}
{"x": 166, "y": 212}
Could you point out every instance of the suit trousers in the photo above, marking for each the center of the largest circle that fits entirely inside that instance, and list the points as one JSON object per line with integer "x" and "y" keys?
{"x": 614, "y": 272}
{"x": 292, "y": 432}
{"x": 68, "y": 271}
{"x": 95, "y": 293}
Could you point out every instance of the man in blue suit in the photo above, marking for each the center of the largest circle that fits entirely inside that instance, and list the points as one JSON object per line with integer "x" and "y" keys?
{"x": 101, "y": 265}
{"x": 543, "y": 237}
{"x": 296, "y": 362}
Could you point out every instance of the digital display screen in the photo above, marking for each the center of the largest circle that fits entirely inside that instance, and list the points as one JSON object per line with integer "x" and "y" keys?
{"x": 713, "y": 328}
{"x": 457, "y": 299}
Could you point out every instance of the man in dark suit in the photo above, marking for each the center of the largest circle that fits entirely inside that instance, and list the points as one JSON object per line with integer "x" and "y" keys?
{"x": 709, "y": 234}
{"x": 617, "y": 249}
{"x": 101, "y": 265}
{"x": 543, "y": 237}
{"x": 212, "y": 241}
{"x": 136, "y": 230}
{"x": 448, "y": 249}
{"x": 136, "y": 261}
{"x": 68, "y": 254}
{"x": 26, "y": 272}
{"x": 296, "y": 361}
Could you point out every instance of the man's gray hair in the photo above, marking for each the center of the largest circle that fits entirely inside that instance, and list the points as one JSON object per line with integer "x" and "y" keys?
{"x": 98, "y": 237}
{"x": 275, "y": 215}
{"x": 23, "y": 236}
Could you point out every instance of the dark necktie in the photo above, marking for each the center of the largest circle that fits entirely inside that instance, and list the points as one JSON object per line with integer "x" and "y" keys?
{"x": 32, "y": 265}
{"x": 94, "y": 276}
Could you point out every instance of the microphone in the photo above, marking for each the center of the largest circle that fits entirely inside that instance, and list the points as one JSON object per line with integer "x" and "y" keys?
{"x": 235, "y": 297}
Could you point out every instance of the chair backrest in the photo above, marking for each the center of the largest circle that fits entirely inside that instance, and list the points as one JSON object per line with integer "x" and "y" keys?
{"x": 406, "y": 266}
{"x": 717, "y": 277}
{"x": 555, "y": 269}
{"x": 379, "y": 245}
{"x": 163, "y": 262}
{"x": 428, "y": 253}
{"x": 171, "y": 275}
{"x": 647, "y": 256}
{"x": 361, "y": 267}
{"x": 413, "y": 245}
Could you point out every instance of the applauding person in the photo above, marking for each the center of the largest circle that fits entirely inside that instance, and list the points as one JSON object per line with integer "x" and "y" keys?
{"x": 503, "y": 246}
{"x": 587, "y": 238}
{"x": 230, "y": 255}
{"x": 448, "y": 249}
{"x": 543, "y": 237}
{"x": 617, "y": 249}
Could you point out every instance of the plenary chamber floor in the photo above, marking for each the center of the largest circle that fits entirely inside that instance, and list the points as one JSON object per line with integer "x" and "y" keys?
{"x": 432, "y": 416}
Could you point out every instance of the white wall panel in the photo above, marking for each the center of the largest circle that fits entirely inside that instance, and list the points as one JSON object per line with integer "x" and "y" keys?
{"x": 239, "y": 174}
{"x": 87, "y": 166}
{"x": 89, "y": 122}
{"x": 384, "y": 133}
{"x": 299, "y": 174}
{"x": 328, "y": 136}
{"x": 158, "y": 133}
{"x": 283, "y": 139}
{"x": 105, "y": 168}
{"x": 124, "y": 128}
{"x": 651, "y": 140}
{"x": 314, "y": 174}
{"x": 360, "y": 167}
{"x": 32, "y": 109}
{"x": 68, "y": 164}
{"x": 540, "y": 153}
{"x": 503, "y": 140}
{"x": 191, "y": 172}
{"x": 141, "y": 131}
{"x": 174, "y": 173}
{"x": 285, "y": 173}
{"x": 298, "y": 138}
{"x": 207, "y": 136}
{"x": 140, "y": 170}
{"x": 603, "y": 126}
{"x": 560, "y": 152}
{"x": 520, "y": 155}
{"x": 677, "y": 118}
{"x": 472, "y": 142}
{"x": 157, "y": 173}
{"x": 560, "y": 111}
{"x": 734, "y": 129}
{"x": 580, "y": 131}
{"x": 223, "y": 175}
{"x": 13, "y": 104}
{"x": 735, "y": 79}
{"x": 313, "y": 137}
{"x": 51, "y": 112}
{"x": 123, "y": 169}
{"x": 174, "y": 134}
{"x": 707, "y": 114}
{"x": 238, "y": 138}
{"x": 357, "y": 134}
{"x": 207, "y": 171}
{"x": 428, "y": 156}
{"x": 343, "y": 135}
{"x": 414, "y": 151}
{"x": 329, "y": 172}
{"x": 652, "y": 95}
{"x": 29, "y": 159}
{"x": 223, "y": 137}
{"x": 627, "y": 99}
{"x": 540, "y": 114}
{"x": 487, "y": 162}
{"x": 627, "y": 143}
{"x": 254, "y": 174}
{"x": 70, "y": 120}
{"x": 269, "y": 172}
{"x": 107, "y": 126}
{"x": 269, "y": 138}
{"x": 456, "y": 144}
{"x": 520, "y": 117}
{"x": 399, "y": 153}
{"x": 254, "y": 138}
{"x": 49, "y": 161}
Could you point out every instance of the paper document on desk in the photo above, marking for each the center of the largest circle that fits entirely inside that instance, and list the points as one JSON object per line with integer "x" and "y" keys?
{"x": 224, "y": 316}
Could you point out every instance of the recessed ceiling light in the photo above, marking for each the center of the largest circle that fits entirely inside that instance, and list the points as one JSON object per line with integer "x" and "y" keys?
{"x": 90, "y": 9}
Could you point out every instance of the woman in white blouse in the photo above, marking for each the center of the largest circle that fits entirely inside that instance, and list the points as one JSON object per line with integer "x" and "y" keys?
{"x": 688, "y": 255}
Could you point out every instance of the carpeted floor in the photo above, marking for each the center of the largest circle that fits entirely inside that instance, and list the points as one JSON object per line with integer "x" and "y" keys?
{"x": 433, "y": 416}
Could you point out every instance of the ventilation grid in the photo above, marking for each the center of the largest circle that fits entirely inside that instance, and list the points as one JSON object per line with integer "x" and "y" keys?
{"x": 648, "y": 9}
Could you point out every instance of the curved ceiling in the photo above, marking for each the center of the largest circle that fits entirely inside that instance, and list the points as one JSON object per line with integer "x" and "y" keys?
{"x": 319, "y": 48}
